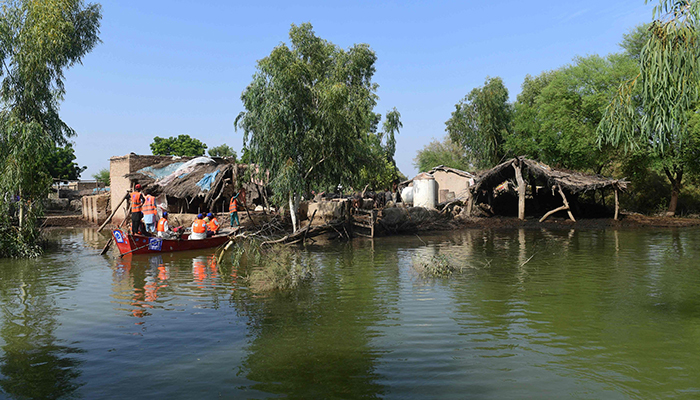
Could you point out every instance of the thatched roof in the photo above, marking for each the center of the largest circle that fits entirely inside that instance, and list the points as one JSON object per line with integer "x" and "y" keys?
{"x": 190, "y": 177}
{"x": 572, "y": 182}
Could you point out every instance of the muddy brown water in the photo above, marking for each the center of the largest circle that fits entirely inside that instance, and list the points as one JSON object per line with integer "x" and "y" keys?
{"x": 586, "y": 314}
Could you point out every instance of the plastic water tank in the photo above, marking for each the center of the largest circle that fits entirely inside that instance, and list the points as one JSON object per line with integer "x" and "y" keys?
{"x": 407, "y": 195}
{"x": 425, "y": 191}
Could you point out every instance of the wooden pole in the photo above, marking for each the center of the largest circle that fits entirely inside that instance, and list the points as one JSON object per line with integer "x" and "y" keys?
{"x": 617, "y": 205}
{"x": 521, "y": 190}
{"x": 112, "y": 214}
{"x": 111, "y": 237}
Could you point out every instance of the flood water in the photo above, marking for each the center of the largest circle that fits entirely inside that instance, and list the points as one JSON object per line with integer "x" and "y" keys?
{"x": 592, "y": 314}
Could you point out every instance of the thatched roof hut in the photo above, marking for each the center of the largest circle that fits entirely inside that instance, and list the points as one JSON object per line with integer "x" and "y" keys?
{"x": 207, "y": 181}
{"x": 565, "y": 182}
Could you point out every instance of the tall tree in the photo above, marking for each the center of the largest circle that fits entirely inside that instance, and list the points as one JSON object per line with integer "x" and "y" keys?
{"x": 39, "y": 40}
{"x": 668, "y": 81}
{"x": 61, "y": 163}
{"x": 309, "y": 113}
{"x": 557, "y": 114}
{"x": 182, "y": 145}
{"x": 480, "y": 122}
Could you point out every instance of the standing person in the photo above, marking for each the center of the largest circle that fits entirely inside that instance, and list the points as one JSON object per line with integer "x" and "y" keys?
{"x": 137, "y": 201}
{"x": 149, "y": 212}
{"x": 213, "y": 224}
{"x": 233, "y": 209}
{"x": 199, "y": 228}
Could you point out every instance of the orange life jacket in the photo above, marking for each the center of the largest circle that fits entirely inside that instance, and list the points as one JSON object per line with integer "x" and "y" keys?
{"x": 213, "y": 225}
{"x": 136, "y": 202}
{"x": 233, "y": 206}
{"x": 149, "y": 206}
{"x": 199, "y": 226}
{"x": 161, "y": 225}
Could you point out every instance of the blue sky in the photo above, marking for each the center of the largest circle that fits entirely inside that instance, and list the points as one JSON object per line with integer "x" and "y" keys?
{"x": 179, "y": 67}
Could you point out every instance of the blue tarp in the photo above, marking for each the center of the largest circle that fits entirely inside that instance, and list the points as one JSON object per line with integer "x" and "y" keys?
{"x": 160, "y": 173}
{"x": 206, "y": 182}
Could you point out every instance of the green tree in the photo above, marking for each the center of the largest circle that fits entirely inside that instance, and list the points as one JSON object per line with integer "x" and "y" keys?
{"x": 182, "y": 145}
{"x": 102, "y": 176}
{"x": 480, "y": 122}
{"x": 223, "y": 151}
{"x": 39, "y": 40}
{"x": 668, "y": 94}
{"x": 557, "y": 114}
{"x": 309, "y": 116}
{"x": 444, "y": 152}
{"x": 60, "y": 163}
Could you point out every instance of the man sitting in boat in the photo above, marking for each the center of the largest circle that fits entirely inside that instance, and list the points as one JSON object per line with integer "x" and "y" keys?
{"x": 199, "y": 228}
{"x": 163, "y": 229}
{"x": 212, "y": 225}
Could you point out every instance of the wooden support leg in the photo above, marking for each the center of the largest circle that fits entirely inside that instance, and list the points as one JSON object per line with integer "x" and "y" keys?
{"x": 564, "y": 207}
{"x": 521, "y": 191}
{"x": 617, "y": 206}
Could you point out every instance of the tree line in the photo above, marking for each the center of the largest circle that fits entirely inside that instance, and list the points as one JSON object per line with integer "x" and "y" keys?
{"x": 633, "y": 114}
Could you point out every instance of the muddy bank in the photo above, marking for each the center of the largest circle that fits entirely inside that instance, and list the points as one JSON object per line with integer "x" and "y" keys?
{"x": 626, "y": 221}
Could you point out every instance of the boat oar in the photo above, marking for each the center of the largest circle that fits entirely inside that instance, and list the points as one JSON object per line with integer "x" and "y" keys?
{"x": 131, "y": 251}
{"x": 111, "y": 237}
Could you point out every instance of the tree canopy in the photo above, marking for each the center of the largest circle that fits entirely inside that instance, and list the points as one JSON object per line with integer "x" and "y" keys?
{"x": 60, "y": 163}
{"x": 39, "y": 40}
{"x": 102, "y": 176}
{"x": 182, "y": 145}
{"x": 444, "y": 152}
{"x": 480, "y": 122}
{"x": 668, "y": 94}
{"x": 309, "y": 115}
{"x": 223, "y": 151}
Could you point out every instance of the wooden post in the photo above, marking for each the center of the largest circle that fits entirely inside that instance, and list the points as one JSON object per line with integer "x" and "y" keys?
{"x": 617, "y": 205}
{"x": 521, "y": 190}
{"x": 470, "y": 203}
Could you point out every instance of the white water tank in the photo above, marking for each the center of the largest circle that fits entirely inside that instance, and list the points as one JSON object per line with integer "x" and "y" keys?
{"x": 407, "y": 195}
{"x": 425, "y": 191}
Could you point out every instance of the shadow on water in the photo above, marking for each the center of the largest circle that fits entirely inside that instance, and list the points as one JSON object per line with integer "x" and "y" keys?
{"x": 34, "y": 363}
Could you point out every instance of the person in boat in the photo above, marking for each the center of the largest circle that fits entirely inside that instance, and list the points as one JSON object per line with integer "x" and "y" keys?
{"x": 149, "y": 212}
{"x": 163, "y": 229}
{"x": 137, "y": 201}
{"x": 233, "y": 209}
{"x": 212, "y": 225}
{"x": 199, "y": 228}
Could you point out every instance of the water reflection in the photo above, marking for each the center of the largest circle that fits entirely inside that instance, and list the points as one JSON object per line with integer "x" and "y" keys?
{"x": 317, "y": 343}
{"x": 33, "y": 362}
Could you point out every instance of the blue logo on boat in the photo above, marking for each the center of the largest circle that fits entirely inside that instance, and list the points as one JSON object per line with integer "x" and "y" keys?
{"x": 118, "y": 236}
{"x": 155, "y": 244}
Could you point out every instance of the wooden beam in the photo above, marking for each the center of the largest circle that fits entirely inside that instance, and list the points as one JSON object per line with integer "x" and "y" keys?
{"x": 617, "y": 205}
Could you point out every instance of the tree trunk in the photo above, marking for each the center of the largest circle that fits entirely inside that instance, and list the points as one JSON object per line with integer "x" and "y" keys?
{"x": 676, "y": 178}
{"x": 21, "y": 209}
{"x": 521, "y": 190}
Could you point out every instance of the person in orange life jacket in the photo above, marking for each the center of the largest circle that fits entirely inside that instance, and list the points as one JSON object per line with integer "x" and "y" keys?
{"x": 149, "y": 212}
{"x": 137, "y": 201}
{"x": 212, "y": 224}
{"x": 163, "y": 229}
{"x": 233, "y": 209}
{"x": 199, "y": 228}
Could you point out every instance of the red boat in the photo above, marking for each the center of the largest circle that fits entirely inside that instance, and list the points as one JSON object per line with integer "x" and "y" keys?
{"x": 138, "y": 244}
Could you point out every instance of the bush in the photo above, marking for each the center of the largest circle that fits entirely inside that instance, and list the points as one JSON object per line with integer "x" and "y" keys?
{"x": 271, "y": 269}
{"x": 437, "y": 266}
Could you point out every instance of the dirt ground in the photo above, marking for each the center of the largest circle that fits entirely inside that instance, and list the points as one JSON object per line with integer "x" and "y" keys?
{"x": 626, "y": 221}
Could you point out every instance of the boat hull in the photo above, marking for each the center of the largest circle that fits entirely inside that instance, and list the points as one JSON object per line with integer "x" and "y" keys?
{"x": 138, "y": 244}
